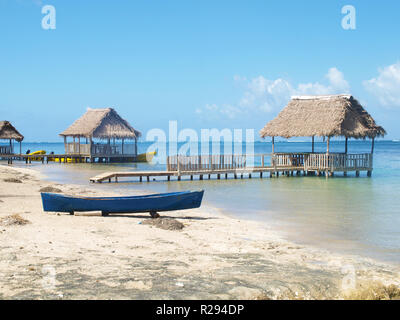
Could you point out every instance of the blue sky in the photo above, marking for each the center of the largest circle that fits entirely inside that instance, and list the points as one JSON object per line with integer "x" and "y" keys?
{"x": 208, "y": 64}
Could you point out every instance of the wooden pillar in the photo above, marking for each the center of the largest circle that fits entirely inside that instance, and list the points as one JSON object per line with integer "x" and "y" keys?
{"x": 65, "y": 145}
{"x": 345, "y": 146}
{"x": 327, "y": 145}
{"x": 372, "y": 145}
{"x": 79, "y": 145}
{"x": 122, "y": 146}
{"x": 312, "y": 148}
{"x": 90, "y": 148}
{"x": 20, "y": 147}
{"x": 273, "y": 144}
{"x": 135, "y": 146}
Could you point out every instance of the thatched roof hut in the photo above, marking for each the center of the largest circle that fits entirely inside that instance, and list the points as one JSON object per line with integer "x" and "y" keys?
{"x": 102, "y": 124}
{"x": 8, "y": 132}
{"x": 324, "y": 116}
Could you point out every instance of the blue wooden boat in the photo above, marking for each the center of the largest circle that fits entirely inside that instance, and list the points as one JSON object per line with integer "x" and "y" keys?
{"x": 152, "y": 203}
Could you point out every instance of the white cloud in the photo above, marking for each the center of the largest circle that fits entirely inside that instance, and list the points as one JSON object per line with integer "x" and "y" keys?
{"x": 386, "y": 86}
{"x": 265, "y": 95}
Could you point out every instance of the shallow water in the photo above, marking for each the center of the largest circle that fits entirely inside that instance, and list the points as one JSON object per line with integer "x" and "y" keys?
{"x": 348, "y": 215}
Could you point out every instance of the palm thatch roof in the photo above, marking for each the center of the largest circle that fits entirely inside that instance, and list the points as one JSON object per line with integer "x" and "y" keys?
{"x": 103, "y": 124}
{"x": 324, "y": 116}
{"x": 7, "y": 131}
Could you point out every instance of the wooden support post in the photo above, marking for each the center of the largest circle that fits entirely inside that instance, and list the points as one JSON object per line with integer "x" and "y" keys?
{"x": 91, "y": 148}
{"x": 345, "y": 146}
{"x": 218, "y": 176}
{"x": 201, "y": 177}
{"x": 369, "y": 173}
{"x": 135, "y": 147}
{"x": 261, "y": 174}
{"x": 273, "y": 145}
{"x": 357, "y": 173}
{"x": 191, "y": 177}
{"x": 270, "y": 174}
{"x": 140, "y": 178}
{"x": 372, "y": 145}
{"x": 327, "y": 145}
{"x": 235, "y": 175}
{"x": 169, "y": 178}
{"x": 344, "y": 173}
{"x": 312, "y": 148}
{"x": 148, "y": 178}
{"x": 249, "y": 175}
{"x": 226, "y": 176}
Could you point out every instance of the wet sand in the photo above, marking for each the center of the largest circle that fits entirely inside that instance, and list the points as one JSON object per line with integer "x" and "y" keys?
{"x": 58, "y": 256}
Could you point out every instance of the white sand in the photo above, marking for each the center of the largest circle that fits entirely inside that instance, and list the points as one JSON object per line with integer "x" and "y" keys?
{"x": 58, "y": 256}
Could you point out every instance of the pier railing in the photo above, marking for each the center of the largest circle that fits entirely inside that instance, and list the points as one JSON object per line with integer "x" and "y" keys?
{"x": 275, "y": 161}
{"x": 99, "y": 149}
{"x": 6, "y": 150}
{"x": 338, "y": 161}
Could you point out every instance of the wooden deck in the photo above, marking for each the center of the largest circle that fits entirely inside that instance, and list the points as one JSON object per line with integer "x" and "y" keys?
{"x": 76, "y": 158}
{"x": 288, "y": 164}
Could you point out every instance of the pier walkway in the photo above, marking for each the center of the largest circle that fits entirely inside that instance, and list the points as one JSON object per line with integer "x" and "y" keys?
{"x": 288, "y": 164}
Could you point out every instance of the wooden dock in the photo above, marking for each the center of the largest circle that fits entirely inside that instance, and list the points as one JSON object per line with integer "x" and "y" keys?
{"x": 67, "y": 158}
{"x": 239, "y": 166}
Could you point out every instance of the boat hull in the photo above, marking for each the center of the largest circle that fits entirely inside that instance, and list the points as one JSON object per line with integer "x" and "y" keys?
{"x": 149, "y": 203}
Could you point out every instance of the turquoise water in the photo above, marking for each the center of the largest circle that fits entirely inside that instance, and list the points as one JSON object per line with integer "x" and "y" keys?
{"x": 348, "y": 215}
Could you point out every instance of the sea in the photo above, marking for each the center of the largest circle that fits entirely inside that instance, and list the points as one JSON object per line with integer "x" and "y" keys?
{"x": 349, "y": 215}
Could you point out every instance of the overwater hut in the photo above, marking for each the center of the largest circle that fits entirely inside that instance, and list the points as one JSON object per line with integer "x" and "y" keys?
{"x": 103, "y": 135}
{"x": 327, "y": 117}
{"x": 10, "y": 134}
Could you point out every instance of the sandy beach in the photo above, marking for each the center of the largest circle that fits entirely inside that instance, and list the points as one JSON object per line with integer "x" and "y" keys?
{"x": 59, "y": 256}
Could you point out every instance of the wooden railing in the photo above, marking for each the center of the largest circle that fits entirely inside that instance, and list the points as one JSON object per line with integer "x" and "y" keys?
{"x": 77, "y": 148}
{"x": 99, "y": 149}
{"x": 338, "y": 161}
{"x": 206, "y": 163}
{"x": 6, "y": 150}
{"x": 277, "y": 161}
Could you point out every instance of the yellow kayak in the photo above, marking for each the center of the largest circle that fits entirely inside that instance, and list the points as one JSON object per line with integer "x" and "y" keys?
{"x": 69, "y": 160}
{"x": 35, "y": 153}
{"x": 146, "y": 157}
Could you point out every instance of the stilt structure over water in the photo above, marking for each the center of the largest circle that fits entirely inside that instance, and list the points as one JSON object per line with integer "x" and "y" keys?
{"x": 10, "y": 134}
{"x": 321, "y": 116}
{"x": 327, "y": 117}
{"x": 101, "y": 135}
